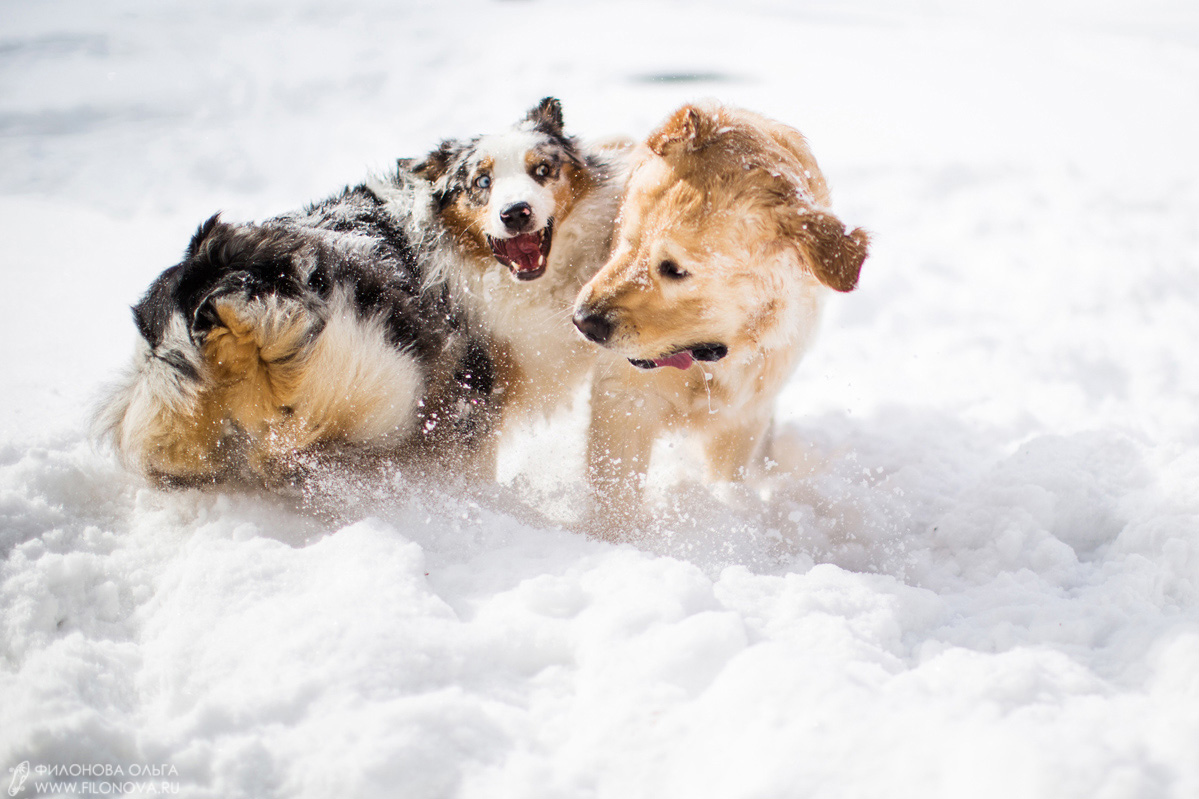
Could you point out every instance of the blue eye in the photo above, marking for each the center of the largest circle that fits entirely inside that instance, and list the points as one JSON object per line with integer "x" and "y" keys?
{"x": 482, "y": 181}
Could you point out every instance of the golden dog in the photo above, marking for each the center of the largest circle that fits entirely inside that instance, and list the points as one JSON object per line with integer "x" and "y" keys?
{"x": 724, "y": 253}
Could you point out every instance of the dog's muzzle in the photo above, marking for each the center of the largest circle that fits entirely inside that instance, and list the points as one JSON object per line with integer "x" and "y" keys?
{"x": 526, "y": 254}
{"x": 595, "y": 327}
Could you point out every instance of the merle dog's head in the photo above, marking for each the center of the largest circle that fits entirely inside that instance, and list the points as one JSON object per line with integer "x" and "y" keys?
{"x": 501, "y": 193}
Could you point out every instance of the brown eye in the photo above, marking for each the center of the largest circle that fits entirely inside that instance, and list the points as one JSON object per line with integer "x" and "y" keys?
{"x": 542, "y": 171}
{"x": 672, "y": 271}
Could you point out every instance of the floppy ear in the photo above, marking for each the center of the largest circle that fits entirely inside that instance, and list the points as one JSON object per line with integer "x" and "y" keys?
{"x": 688, "y": 128}
{"x": 436, "y": 163}
{"x": 546, "y": 116}
{"x": 834, "y": 256}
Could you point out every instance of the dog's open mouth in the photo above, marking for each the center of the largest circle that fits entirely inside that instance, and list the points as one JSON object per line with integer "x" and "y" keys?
{"x": 526, "y": 255}
{"x": 682, "y": 359}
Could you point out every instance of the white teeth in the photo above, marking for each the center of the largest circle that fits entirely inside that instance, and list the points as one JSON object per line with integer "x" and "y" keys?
{"x": 541, "y": 260}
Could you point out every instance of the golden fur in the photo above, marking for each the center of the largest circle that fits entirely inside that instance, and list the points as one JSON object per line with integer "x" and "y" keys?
{"x": 724, "y": 240}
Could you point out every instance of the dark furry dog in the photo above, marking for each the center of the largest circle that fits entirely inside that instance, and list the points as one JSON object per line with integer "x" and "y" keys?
{"x": 306, "y": 336}
{"x": 389, "y": 321}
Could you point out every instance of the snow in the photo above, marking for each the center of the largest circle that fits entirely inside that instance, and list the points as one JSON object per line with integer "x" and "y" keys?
{"x": 974, "y": 570}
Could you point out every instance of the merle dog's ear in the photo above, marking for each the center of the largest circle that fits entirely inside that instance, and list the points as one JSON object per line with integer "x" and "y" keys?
{"x": 546, "y": 116}
{"x": 436, "y": 163}
{"x": 834, "y": 256}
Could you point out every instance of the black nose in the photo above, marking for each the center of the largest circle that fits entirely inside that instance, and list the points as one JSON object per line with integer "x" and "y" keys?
{"x": 595, "y": 327}
{"x": 516, "y": 216}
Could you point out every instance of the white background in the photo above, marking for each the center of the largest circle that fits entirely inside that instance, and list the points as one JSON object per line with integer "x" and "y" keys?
{"x": 974, "y": 573}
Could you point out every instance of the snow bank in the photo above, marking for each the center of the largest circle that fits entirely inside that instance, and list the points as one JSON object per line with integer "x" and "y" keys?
{"x": 973, "y": 571}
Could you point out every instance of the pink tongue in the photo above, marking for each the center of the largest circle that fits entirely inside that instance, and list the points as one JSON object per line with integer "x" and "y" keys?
{"x": 528, "y": 243}
{"x": 524, "y": 250}
{"x": 680, "y": 360}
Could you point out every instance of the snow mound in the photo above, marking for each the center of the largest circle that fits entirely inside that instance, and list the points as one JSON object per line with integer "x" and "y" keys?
{"x": 971, "y": 570}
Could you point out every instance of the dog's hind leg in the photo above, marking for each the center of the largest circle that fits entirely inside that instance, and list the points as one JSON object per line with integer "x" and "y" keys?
{"x": 345, "y": 383}
{"x": 304, "y": 376}
{"x": 255, "y": 347}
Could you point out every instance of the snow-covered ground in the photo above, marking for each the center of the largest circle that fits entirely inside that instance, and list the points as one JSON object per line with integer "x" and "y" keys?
{"x": 975, "y": 572}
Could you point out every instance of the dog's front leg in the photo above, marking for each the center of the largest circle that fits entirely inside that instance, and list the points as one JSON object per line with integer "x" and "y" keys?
{"x": 733, "y": 448}
{"x": 625, "y": 423}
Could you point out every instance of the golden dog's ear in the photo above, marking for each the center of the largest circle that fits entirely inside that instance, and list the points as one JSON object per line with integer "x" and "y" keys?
{"x": 834, "y": 256}
{"x": 689, "y": 128}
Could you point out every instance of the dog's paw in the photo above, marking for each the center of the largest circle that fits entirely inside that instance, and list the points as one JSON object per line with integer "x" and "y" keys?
{"x": 224, "y": 305}
{"x": 238, "y": 312}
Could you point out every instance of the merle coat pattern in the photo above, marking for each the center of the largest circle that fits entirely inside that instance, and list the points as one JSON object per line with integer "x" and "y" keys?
{"x": 406, "y": 318}
{"x": 315, "y": 334}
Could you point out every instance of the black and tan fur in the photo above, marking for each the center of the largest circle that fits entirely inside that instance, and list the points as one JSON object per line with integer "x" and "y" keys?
{"x": 372, "y": 324}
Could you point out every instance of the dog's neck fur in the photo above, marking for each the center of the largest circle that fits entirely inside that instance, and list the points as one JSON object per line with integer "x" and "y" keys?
{"x": 529, "y": 323}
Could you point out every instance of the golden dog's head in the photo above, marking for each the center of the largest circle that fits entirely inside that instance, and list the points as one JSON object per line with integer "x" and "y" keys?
{"x": 723, "y": 239}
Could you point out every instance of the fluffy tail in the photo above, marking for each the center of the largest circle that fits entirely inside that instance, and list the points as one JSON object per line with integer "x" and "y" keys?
{"x": 154, "y": 417}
